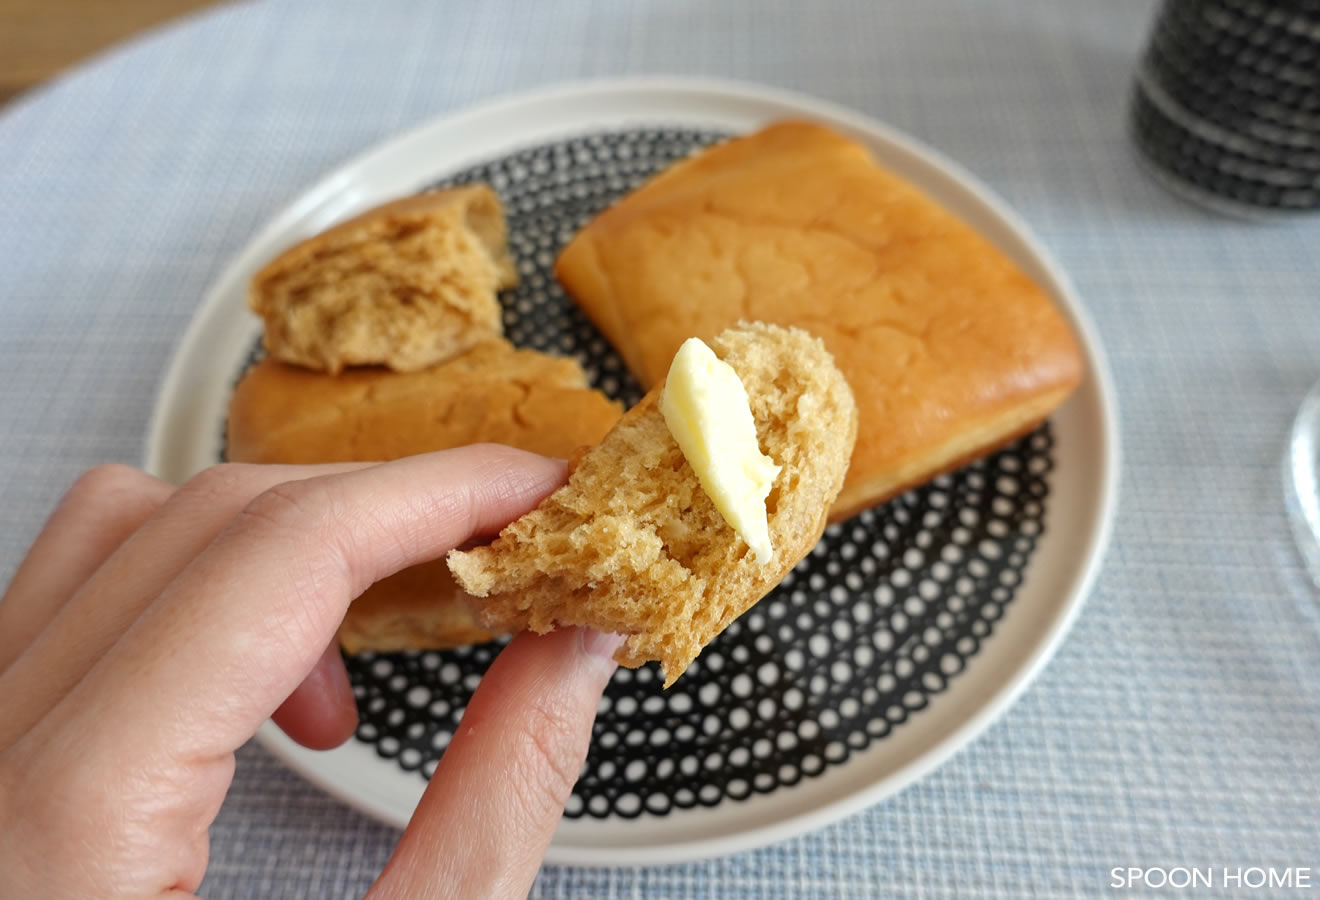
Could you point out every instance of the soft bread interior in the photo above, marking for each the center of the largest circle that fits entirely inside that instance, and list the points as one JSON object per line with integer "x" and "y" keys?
{"x": 405, "y": 285}
{"x": 633, "y": 545}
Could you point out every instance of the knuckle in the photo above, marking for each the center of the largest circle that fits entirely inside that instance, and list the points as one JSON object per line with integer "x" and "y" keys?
{"x": 293, "y": 505}
{"x": 104, "y": 482}
{"x": 217, "y": 484}
{"x": 299, "y": 517}
{"x": 552, "y": 749}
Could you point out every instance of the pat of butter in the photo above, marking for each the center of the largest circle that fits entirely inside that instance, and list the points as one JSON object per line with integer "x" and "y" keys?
{"x": 706, "y": 408}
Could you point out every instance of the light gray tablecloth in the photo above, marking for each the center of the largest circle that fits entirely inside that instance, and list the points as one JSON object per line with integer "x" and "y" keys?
{"x": 1180, "y": 722}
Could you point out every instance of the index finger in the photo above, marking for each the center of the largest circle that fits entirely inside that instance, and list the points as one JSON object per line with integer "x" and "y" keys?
{"x": 239, "y": 628}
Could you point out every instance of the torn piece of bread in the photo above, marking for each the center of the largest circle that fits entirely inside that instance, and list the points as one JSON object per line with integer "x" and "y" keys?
{"x": 494, "y": 393}
{"x": 951, "y": 350}
{"x": 633, "y": 545}
{"x": 404, "y": 285}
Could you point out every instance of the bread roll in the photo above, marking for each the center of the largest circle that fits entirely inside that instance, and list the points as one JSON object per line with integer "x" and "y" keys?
{"x": 950, "y": 349}
{"x": 493, "y": 393}
{"x": 287, "y": 414}
{"x": 406, "y": 285}
{"x": 633, "y": 545}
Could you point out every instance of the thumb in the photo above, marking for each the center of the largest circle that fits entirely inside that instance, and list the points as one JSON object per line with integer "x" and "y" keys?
{"x": 487, "y": 816}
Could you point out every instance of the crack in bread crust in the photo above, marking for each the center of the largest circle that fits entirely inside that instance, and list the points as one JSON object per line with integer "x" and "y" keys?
{"x": 939, "y": 333}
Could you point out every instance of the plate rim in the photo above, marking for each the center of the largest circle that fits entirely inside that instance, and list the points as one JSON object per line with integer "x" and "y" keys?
{"x": 322, "y": 192}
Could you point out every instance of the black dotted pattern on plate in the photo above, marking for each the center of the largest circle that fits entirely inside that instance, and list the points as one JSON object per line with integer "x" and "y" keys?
{"x": 862, "y": 634}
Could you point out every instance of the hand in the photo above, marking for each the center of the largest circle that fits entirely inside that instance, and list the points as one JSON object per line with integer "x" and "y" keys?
{"x": 150, "y": 631}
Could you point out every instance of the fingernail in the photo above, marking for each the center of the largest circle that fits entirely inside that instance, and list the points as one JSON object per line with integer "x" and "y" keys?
{"x": 601, "y": 644}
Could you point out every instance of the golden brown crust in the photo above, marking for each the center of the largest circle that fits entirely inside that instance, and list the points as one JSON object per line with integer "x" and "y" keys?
{"x": 405, "y": 285}
{"x": 959, "y": 449}
{"x": 493, "y": 393}
{"x": 632, "y": 544}
{"x": 947, "y": 344}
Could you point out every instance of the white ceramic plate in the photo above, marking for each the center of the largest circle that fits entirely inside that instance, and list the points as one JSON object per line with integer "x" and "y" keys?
{"x": 191, "y": 407}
